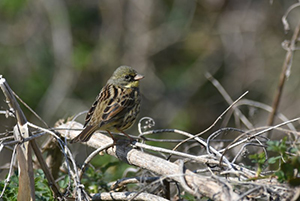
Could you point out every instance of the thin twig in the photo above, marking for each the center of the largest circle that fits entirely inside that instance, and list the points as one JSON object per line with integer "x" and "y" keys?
{"x": 211, "y": 126}
{"x": 91, "y": 156}
{"x": 124, "y": 181}
{"x": 245, "y": 145}
{"x": 218, "y": 132}
{"x": 284, "y": 74}
{"x": 261, "y": 132}
{"x": 266, "y": 108}
{"x": 285, "y": 23}
{"x": 183, "y": 181}
{"x": 65, "y": 150}
{"x": 249, "y": 192}
{"x": 31, "y": 110}
{"x": 229, "y": 100}
{"x": 7, "y": 180}
{"x": 32, "y": 137}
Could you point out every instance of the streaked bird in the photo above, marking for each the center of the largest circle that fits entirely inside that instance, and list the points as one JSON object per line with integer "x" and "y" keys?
{"x": 116, "y": 107}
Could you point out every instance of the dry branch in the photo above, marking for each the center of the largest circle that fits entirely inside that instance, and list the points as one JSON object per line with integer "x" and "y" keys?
{"x": 286, "y": 68}
{"x": 21, "y": 131}
{"x": 197, "y": 185}
{"x": 215, "y": 186}
{"x": 207, "y": 182}
{"x": 126, "y": 196}
{"x": 26, "y": 189}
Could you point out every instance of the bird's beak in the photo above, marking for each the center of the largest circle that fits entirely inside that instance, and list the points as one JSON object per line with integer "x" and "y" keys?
{"x": 138, "y": 77}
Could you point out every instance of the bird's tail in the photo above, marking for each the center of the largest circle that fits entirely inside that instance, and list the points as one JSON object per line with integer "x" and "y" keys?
{"x": 85, "y": 135}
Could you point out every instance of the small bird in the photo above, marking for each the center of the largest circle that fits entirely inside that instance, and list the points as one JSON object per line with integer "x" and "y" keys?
{"x": 116, "y": 107}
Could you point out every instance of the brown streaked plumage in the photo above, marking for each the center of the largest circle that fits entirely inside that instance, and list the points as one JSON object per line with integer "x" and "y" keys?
{"x": 117, "y": 105}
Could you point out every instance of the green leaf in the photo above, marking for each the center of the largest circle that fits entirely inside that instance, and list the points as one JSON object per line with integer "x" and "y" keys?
{"x": 273, "y": 160}
{"x": 280, "y": 176}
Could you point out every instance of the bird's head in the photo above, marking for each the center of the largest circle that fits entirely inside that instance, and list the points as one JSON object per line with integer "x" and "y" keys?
{"x": 125, "y": 76}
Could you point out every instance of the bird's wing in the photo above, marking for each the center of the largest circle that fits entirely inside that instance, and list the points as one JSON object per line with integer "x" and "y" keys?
{"x": 92, "y": 109}
{"x": 112, "y": 101}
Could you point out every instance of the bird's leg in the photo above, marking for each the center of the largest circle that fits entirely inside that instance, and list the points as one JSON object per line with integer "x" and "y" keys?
{"x": 115, "y": 142}
{"x": 130, "y": 138}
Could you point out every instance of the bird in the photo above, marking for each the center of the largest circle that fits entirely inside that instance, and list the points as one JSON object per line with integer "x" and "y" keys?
{"x": 116, "y": 107}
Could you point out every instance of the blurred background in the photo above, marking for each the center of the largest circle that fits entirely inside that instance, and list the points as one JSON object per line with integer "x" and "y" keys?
{"x": 56, "y": 55}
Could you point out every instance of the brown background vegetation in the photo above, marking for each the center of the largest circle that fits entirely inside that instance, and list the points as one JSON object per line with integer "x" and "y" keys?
{"x": 58, "y": 54}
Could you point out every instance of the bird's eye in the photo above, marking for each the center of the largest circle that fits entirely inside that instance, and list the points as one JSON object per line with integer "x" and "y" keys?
{"x": 127, "y": 77}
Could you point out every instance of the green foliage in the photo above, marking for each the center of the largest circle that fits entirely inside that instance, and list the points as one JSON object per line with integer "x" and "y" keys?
{"x": 103, "y": 169}
{"x": 42, "y": 190}
{"x": 279, "y": 147}
{"x": 274, "y": 159}
{"x": 260, "y": 159}
{"x": 188, "y": 196}
{"x": 11, "y": 191}
{"x": 111, "y": 167}
{"x": 11, "y": 8}
{"x": 93, "y": 180}
{"x": 287, "y": 160}
{"x": 63, "y": 183}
